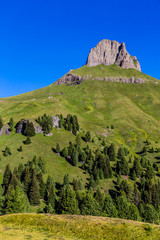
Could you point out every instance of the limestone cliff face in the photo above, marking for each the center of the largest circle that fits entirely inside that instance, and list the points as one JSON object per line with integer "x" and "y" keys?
{"x": 112, "y": 52}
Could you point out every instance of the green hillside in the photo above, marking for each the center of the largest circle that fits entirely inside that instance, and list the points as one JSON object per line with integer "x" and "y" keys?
{"x": 121, "y": 158}
{"x": 29, "y": 226}
{"x": 133, "y": 110}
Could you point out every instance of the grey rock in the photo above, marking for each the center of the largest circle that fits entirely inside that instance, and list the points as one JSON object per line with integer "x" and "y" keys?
{"x": 111, "y": 79}
{"x": 21, "y": 126}
{"x": 71, "y": 79}
{"x": 37, "y": 128}
{"x": 112, "y": 52}
{"x": 55, "y": 121}
{"x": 7, "y": 131}
{"x": 48, "y": 134}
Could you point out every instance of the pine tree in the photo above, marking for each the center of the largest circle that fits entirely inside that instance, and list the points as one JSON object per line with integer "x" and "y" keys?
{"x": 150, "y": 215}
{"x": 66, "y": 180}
{"x": 109, "y": 207}
{"x": 6, "y": 178}
{"x": 50, "y": 195}
{"x": 11, "y": 124}
{"x": 17, "y": 202}
{"x": 137, "y": 167}
{"x": 20, "y": 149}
{"x": 20, "y": 171}
{"x": 133, "y": 212}
{"x": 58, "y": 150}
{"x": 120, "y": 153}
{"x": 29, "y": 129}
{"x": 111, "y": 152}
{"x": 78, "y": 140}
{"x": 68, "y": 203}
{"x": 92, "y": 183}
{"x": 34, "y": 195}
{"x": 89, "y": 206}
{"x": 65, "y": 152}
{"x": 88, "y": 136}
{"x": 2, "y": 198}
{"x": 42, "y": 187}
{"x": 27, "y": 141}
{"x": 27, "y": 179}
{"x": 123, "y": 207}
{"x": 99, "y": 196}
{"x": 75, "y": 158}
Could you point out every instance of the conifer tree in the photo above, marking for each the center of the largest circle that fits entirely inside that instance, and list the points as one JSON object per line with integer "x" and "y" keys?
{"x": 20, "y": 149}
{"x": 34, "y": 195}
{"x": 6, "y": 178}
{"x": 88, "y": 136}
{"x": 133, "y": 212}
{"x": 75, "y": 158}
{"x": 20, "y": 171}
{"x": 50, "y": 195}
{"x": 111, "y": 152}
{"x": 58, "y": 150}
{"x": 29, "y": 129}
{"x": 2, "y": 199}
{"x": 137, "y": 167}
{"x": 65, "y": 152}
{"x": 27, "y": 179}
{"x": 66, "y": 180}
{"x": 17, "y": 201}
{"x": 68, "y": 203}
{"x": 123, "y": 207}
{"x": 11, "y": 124}
{"x": 99, "y": 196}
{"x": 109, "y": 207}
{"x": 42, "y": 187}
{"x": 89, "y": 205}
{"x": 78, "y": 141}
{"x": 27, "y": 141}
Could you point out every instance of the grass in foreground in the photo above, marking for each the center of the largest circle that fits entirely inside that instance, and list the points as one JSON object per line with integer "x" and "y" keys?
{"x": 66, "y": 227}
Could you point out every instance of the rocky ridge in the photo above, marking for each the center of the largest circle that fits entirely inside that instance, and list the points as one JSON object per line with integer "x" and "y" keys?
{"x": 72, "y": 79}
{"x": 112, "y": 52}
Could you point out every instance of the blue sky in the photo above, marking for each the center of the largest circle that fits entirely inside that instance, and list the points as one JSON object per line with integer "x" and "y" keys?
{"x": 42, "y": 40}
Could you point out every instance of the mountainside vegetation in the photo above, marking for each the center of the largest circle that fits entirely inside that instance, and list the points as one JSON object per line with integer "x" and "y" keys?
{"x": 103, "y": 157}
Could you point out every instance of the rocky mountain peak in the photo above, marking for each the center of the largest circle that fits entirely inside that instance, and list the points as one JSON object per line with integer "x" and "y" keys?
{"x": 112, "y": 52}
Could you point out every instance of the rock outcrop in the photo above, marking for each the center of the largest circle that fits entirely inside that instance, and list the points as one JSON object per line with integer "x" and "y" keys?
{"x": 20, "y": 126}
{"x": 112, "y": 52}
{"x": 75, "y": 79}
{"x": 55, "y": 121}
{"x": 5, "y": 130}
{"x": 69, "y": 79}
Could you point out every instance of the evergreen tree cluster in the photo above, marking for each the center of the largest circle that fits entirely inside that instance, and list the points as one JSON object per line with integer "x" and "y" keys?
{"x": 46, "y": 122}
{"x": 69, "y": 123}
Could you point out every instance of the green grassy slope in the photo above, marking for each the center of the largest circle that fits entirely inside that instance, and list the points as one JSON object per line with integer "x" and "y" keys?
{"x": 133, "y": 110}
{"x": 32, "y": 226}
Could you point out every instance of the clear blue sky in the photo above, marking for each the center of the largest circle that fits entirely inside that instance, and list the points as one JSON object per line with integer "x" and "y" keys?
{"x": 42, "y": 40}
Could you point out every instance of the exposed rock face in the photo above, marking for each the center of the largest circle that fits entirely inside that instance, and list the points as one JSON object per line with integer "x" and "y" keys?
{"x": 70, "y": 79}
{"x": 112, "y": 52}
{"x": 65, "y": 80}
{"x": 20, "y": 127}
{"x": 55, "y": 121}
{"x": 5, "y": 130}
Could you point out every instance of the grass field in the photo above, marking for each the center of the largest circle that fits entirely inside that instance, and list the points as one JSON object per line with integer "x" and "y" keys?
{"x": 66, "y": 227}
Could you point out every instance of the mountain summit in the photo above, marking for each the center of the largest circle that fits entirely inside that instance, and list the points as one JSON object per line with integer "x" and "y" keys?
{"x": 112, "y": 52}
